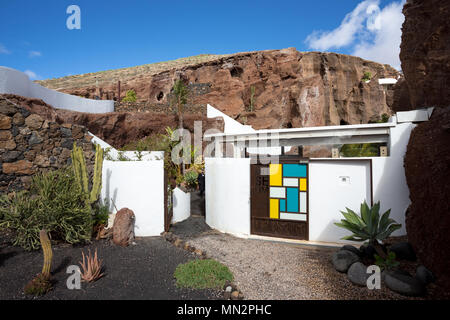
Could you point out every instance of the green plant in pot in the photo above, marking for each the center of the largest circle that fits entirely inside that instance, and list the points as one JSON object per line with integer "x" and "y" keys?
{"x": 369, "y": 226}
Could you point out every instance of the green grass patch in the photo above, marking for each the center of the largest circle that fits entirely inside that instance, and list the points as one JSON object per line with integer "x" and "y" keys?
{"x": 202, "y": 274}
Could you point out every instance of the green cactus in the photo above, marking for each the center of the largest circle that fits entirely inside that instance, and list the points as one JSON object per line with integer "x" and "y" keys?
{"x": 48, "y": 253}
{"x": 41, "y": 284}
{"x": 79, "y": 167}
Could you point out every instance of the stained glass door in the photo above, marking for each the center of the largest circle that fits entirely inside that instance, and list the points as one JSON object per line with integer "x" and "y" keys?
{"x": 279, "y": 199}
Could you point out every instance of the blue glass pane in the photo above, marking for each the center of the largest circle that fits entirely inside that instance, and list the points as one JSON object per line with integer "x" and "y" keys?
{"x": 294, "y": 170}
{"x": 282, "y": 205}
{"x": 292, "y": 199}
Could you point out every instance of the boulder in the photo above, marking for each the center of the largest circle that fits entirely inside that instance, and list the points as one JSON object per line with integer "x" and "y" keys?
{"x": 357, "y": 273}
{"x": 367, "y": 250}
{"x": 123, "y": 227}
{"x": 351, "y": 249}
{"x": 403, "y": 251}
{"x": 343, "y": 259}
{"x": 424, "y": 275}
{"x": 404, "y": 284}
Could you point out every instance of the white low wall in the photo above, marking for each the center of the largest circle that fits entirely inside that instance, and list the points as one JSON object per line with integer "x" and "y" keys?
{"x": 181, "y": 205}
{"x": 139, "y": 186}
{"x": 15, "y": 82}
{"x": 227, "y": 192}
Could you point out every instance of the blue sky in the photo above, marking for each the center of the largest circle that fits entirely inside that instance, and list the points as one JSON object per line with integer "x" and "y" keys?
{"x": 115, "y": 34}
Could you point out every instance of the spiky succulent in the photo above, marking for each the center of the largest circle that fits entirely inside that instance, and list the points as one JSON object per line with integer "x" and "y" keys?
{"x": 368, "y": 226}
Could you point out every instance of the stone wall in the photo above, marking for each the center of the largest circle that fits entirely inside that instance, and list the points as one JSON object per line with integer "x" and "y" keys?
{"x": 165, "y": 108}
{"x": 30, "y": 144}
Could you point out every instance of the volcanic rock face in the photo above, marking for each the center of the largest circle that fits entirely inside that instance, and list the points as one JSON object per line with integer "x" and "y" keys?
{"x": 427, "y": 165}
{"x": 268, "y": 89}
{"x": 425, "y": 52}
{"x": 425, "y": 57}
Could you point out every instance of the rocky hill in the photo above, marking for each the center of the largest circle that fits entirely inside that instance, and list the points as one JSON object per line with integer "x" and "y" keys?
{"x": 266, "y": 89}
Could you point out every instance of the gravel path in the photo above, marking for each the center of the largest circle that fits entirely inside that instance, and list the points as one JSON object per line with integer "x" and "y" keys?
{"x": 271, "y": 270}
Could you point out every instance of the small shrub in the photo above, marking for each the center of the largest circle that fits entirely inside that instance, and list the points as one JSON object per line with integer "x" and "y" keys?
{"x": 202, "y": 274}
{"x": 190, "y": 178}
{"x": 367, "y": 76}
{"x": 369, "y": 226}
{"x": 360, "y": 150}
{"x": 55, "y": 203}
{"x": 130, "y": 96}
{"x": 92, "y": 267}
{"x": 39, "y": 286}
{"x": 387, "y": 263}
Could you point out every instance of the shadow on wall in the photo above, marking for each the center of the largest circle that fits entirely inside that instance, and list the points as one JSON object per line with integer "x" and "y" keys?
{"x": 391, "y": 188}
{"x": 108, "y": 200}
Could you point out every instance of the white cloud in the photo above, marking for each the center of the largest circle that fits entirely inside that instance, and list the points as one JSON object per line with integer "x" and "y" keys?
{"x": 32, "y": 75}
{"x": 368, "y": 31}
{"x": 385, "y": 47}
{"x": 3, "y": 50}
{"x": 33, "y": 54}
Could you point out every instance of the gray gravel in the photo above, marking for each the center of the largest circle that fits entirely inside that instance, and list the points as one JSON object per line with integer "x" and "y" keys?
{"x": 273, "y": 270}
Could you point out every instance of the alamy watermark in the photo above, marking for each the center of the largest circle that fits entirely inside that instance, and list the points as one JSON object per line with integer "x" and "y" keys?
{"x": 74, "y": 20}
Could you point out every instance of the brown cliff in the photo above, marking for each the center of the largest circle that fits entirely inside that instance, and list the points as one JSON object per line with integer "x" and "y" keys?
{"x": 290, "y": 88}
{"x": 425, "y": 58}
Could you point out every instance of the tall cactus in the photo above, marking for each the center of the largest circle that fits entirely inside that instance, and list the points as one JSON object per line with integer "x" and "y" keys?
{"x": 97, "y": 179}
{"x": 79, "y": 167}
{"x": 48, "y": 253}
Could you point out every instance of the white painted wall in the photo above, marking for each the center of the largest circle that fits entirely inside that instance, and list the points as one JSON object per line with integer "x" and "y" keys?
{"x": 329, "y": 194}
{"x": 227, "y": 192}
{"x": 15, "y": 82}
{"x": 181, "y": 205}
{"x": 139, "y": 186}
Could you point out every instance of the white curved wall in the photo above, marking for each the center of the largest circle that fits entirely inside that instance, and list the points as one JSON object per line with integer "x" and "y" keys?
{"x": 15, "y": 82}
{"x": 181, "y": 205}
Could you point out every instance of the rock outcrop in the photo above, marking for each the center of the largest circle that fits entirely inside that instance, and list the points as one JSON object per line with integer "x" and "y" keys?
{"x": 116, "y": 128}
{"x": 265, "y": 89}
{"x": 425, "y": 52}
{"x": 425, "y": 58}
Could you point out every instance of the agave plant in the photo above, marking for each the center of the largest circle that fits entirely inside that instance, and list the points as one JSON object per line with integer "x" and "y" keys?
{"x": 369, "y": 226}
{"x": 92, "y": 267}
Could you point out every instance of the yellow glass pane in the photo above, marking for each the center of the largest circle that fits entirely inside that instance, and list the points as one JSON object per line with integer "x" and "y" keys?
{"x": 274, "y": 212}
{"x": 275, "y": 175}
{"x": 303, "y": 184}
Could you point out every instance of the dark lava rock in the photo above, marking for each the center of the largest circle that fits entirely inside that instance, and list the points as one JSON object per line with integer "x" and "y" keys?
{"x": 367, "y": 250}
{"x": 404, "y": 284}
{"x": 357, "y": 273}
{"x": 424, "y": 275}
{"x": 343, "y": 259}
{"x": 351, "y": 249}
{"x": 403, "y": 250}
